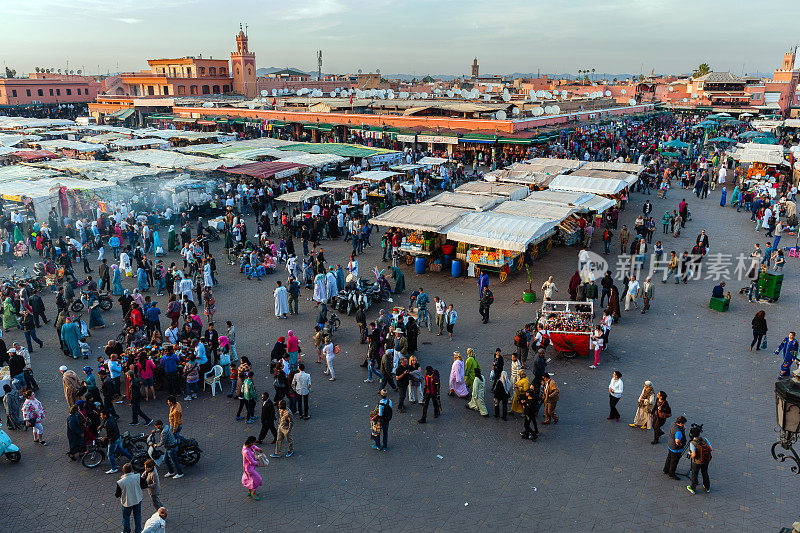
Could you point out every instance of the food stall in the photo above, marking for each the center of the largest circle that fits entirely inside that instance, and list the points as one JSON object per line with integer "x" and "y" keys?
{"x": 569, "y": 325}
{"x": 425, "y": 227}
{"x": 495, "y": 242}
{"x": 504, "y": 190}
{"x": 563, "y": 215}
{"x": 464, "y": 201}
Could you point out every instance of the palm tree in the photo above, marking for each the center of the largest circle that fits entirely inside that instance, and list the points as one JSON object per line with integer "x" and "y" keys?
{"x": 592, "y": 72}
{"x": 701, "y": 70}
{"x": 37, "y": 70}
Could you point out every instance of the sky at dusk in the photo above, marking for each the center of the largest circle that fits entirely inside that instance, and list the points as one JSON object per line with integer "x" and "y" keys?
{"x": 406, "y": 36}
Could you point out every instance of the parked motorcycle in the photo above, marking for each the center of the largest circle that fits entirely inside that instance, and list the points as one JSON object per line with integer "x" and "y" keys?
{"x": 96, "y": 450}
{"x": 188, "y": 453}
{"x": 105, "y": 301}
{"x": 8, "y": 448}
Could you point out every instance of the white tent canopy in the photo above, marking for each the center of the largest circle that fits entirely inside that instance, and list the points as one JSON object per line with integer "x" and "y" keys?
{"x": 12, "y": 139}
{"x": 375, "y": 176}
{"x": 466, "y": 201}
{"x": 499, "y": 230}
{"x": 312, "y": 160}
{"x": 78, "y": 146}
{"x": 583, "y": 201}
{"x": 115, "y": 171}
{"x": 565, "y": 163}
{"x": 138, "y": 143}
{"x": 340, "y": 184}
{"x": 569, "y": 182}
{"x": 405, "y": 167}
{"x": 425, "y": 161}
{"x": 12, "y": 123}
{"x": 630, "y": 179}
{"x": 524, "y": 208}
{"x": 419, "y": 217}
{"x": 176, "y": 134}
{"x": 25, "y": 173}
{"x": 759, "y": 153}
{"x": 164, "y": 158}
{"x": 297, "y": 197}
{"x": 511, "y": 192}
{"x": 519, "y": 177}
{"x": 630, "y": 168}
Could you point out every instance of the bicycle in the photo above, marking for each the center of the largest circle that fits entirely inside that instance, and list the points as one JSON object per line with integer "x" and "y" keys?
{"x": 96, "y": 451}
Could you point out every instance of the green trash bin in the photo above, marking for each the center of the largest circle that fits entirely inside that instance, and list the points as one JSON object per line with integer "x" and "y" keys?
{"x": 769, "y": 284}
{"x": 719, "y": 304}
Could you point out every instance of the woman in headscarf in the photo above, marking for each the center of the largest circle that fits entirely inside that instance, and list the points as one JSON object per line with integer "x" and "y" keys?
{"x": 116, "y": 282}
{"x": 501, "y": 392}
{"x": 399, "y": 280}
{"x": 251, "y": 479}
{"x": 613, "y": 303}
{"x": 70, "y": 336}
{"x": 340, "y": 276}
{"x": 457, "y": 385}
{"x": 478, "y": 391}
{"x": 95, "y": 320}
{"x": 75, "y": 433}
{"x": 470, "y": 367}
{"x": 208, "y": 279}
{"x": 412, "y": 334}
{"x": 125, "y": 263}
{"x": 723, "y": 197}
{"x": 141, "y": 277}
{"x": 646, "y": 401}
{"x": 9, "y": 316}
{"x": 158, "y": 248}
{"x": 172, "y": 245}
{"x": 520, "y": 388}
{"x": 573, "y": 286}
{"x": 319, "y": 288}
{"x": 138, "y": 298}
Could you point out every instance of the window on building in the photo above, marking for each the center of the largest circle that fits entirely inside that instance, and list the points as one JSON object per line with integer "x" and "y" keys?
{"x": 27, "y": 92}
{"x": 51, "y": 92}
{"x": 79, "y": 92}
{"x": 222, "y": 71}
{"x": 215, "y": 91}
{"x": 206, "y": 89}
{"x": 193, "y": 89}
{"x": 40, "y": 92}
{"x": 226, "y": 89}
{"x": 166, "y": 90}
{"x": 69, "y": 92}
{"x": 181, "y": 89}
{"x": 14, "y": 93}
{"x": 202, "y": 71}
{"x": 58, "y": 92}
{"x": 151, "y": 90}
{"x": 212, "y": 71}
{"x": 189, "y": 71}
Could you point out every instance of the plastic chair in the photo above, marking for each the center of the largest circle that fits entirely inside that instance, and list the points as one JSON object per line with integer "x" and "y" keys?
{"x": 213, "y": 377}
{"x": 793, "y": 252}
{"x": 261, "y": 271}
{"x": 248, "y": 270}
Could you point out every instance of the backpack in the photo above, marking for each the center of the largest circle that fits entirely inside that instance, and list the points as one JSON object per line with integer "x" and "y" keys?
{"x": 387, "y": 413}
{"x": 518, "y": 338}
{"x": 703, "y": 451}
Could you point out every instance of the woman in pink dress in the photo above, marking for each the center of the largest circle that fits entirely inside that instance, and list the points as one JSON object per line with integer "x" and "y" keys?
{"x": 251, "y": 479}
{"x": 457, "y": 385}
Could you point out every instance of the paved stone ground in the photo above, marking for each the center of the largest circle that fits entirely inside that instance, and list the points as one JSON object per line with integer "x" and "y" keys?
{"x": 585, "y": 473}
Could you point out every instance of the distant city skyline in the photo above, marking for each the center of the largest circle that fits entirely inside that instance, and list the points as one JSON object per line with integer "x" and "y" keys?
{"x": 410, "y": 37}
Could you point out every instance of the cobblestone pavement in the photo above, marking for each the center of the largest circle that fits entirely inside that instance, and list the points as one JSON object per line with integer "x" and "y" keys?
{"x": 461, "y": 472}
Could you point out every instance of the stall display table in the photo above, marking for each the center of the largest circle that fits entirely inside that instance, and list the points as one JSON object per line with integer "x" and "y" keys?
{"x": 569, "y": 326}
{"x": 719, "y": 304}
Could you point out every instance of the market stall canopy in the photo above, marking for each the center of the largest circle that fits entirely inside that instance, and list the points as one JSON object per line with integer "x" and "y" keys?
{"x": 520, "y": 177}
{"x": 419, "y": 217}
{"x": 751, "y": 134}
{"x": 217, "y": 164}
{"x": 485, "y": 188}
{"x": 630, "y": 179}
{"x": 126, "y": 143}
{"x": 297, "y": 197}
{"x": 340, "y": 184}
{"x": 524, "y": 208}
{"x": 630, "y": 168}
{"x": 77, "y": 146}
{"x": 162, "y": 158}
{"x": 792, "y": 123}
{"x": 405, "y": 167}
{"x": 582, "y": 200}
{"x": 10, "y": 139}
{"x": 33, "y": 155}
{"x": 343, "y": 150}
{"x": 176, "y": 134}
{"x": 114, "y": 171}
{"x": 426, "y": 161}
{"x": 465, "y": 201}
{"x": 16, "y": 123}
{"x": 500, "y": 230}
{"x": 313, "y": 160}
{"x": 759, "y": 153}
{"x": 266, "y": 170}
{"x": 539, "y": 168}
{"x": 569, "y": 182}
{"x": 23, "y": 173}
{"x": 565, "y": 163}
{"x": 723, "y": 140}
{"x": 375, "y": 176}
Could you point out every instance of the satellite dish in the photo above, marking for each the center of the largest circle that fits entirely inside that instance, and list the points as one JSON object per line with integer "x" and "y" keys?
{"x": 487, "y": 97}
{"x": 424, "y": 96}
{"x": 450, "y": 94}
{"x": 345, "y": 92}
{"x": 475, "y": 93}
{"x": 391, "y": 96}
{"x": 563, "y": 94}
{"x": 671, "y": 88}
{"x": 623, "y": 91}
{"x": 608, "y": 93}
{"x": 548, "y": 109}
{"x": 538, "y": 111}
{"x": 251, "y": 106}
{"x": 274, "y": 92}
{"x": 515, "y": 111}
{"x": 501, "y": 115}
{"x": 632, "y": 101}
{"x": 539, "y": 93}
{"x": 403, "y": 94}
{"x": 465, "y": 93}
{"x": 208, "y": 104}
{"x": 264, "y": 93}
{"x": 694, "y": 95}
{"x": 506, "y": 96}
{"x": 333, "y": 93}
{"x": 556, "y": 110}
{"x": 548, "y": 94}
{"x": 685, "y": 99}
{"x": 505, "y": 92}
{"x": 359, "y": 93}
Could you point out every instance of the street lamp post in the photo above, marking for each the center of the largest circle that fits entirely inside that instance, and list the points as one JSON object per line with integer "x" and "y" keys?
{"x": 787, "y": 404}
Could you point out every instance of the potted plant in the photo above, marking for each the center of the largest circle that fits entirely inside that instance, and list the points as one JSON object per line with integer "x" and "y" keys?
{"x": 529, "y": 296}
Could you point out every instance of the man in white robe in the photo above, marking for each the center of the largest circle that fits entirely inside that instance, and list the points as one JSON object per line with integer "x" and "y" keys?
{"x": 281, "y": 300}
{"x": 332, "y": 287}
